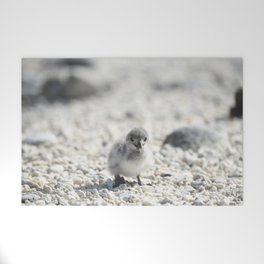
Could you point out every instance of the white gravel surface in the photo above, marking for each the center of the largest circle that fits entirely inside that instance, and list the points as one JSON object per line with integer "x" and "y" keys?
{"x": 65, "y": 145}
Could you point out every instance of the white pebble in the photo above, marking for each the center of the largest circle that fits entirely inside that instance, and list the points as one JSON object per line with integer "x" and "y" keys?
{"x": 56, "y": 168}
{"x": 40, "y": 138}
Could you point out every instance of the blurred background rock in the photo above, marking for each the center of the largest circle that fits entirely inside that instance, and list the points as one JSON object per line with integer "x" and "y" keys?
{"x": 74, "y": 78}
{"x": 59, "y": 80}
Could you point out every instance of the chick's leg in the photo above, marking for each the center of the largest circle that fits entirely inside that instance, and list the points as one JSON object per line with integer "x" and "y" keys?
{"x": 139, "y": 180}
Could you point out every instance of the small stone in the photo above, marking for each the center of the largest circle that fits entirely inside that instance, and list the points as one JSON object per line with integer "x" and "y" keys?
{"x": 48, "y": 189}
{"x": 197, "y": 203}
{"x": 219, "y": 186}
{"x": 213, "y": 189}
{"x": 220, "y": 179}
{"x": 188, "y": 197}
{"x": 35, "y": 174}
{"x": 147, "y": 202}
{"x": 29, "y": 197}
{"x": 197, "y": 184}
{"x": 40, "y": 202}
{"x": 188, "y": 177}
{"x": 128, "y": 197}
{"x": 56, "y": 168}
{"x": 81, "y": 194}
{"x": 198, "y": 176}
{"x": 83, "y": 169}
{"x": 109, "y": 184}
{"x": 62, "y": 201}
{"x": 226, "y": 201}
{"x": 94, "y": 192}
{"x": 166, "y": 201}
{"x": 219, "y": 182}
{"x": 37, "y": 182}
{"x": 47, "y": 199}
{"x": 25, "y": 187}
{"x": 188, "y": 158}
{"x": 165, "y": 175}
{"x": 45, "y": 138}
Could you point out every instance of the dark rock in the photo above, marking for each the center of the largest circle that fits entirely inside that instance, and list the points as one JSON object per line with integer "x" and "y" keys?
{"x": 74, "y": 88}
{"x": 118, "y": 181}
{"x": 71, "y": 88}
{"x": 51, "y": 89}
{"x": 191, "y": 138}
{"x": 72, "y": 62}
{"x": 165, "y": 175}
{"x": 237, "y": 109}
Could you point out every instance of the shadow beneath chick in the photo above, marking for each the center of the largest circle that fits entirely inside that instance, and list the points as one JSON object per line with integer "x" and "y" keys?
{"x": 90, "y": 187}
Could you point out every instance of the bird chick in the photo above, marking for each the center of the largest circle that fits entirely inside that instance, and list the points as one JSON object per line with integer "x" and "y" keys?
{"x": 130, "y": 156}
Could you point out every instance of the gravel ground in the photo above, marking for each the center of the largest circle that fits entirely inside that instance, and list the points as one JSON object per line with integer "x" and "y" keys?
{"x": 66, "y": 141}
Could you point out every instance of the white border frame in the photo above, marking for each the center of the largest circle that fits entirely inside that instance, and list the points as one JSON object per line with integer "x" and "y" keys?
{"x": 78, "y": 28}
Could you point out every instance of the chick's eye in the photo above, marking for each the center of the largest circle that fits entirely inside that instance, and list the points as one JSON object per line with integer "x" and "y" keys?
{"x": 145, "y": 139}
{"x": 131, "y": 139}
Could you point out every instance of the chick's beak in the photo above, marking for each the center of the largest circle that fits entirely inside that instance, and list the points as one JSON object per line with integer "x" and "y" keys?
{"x": 139, "y": 146}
